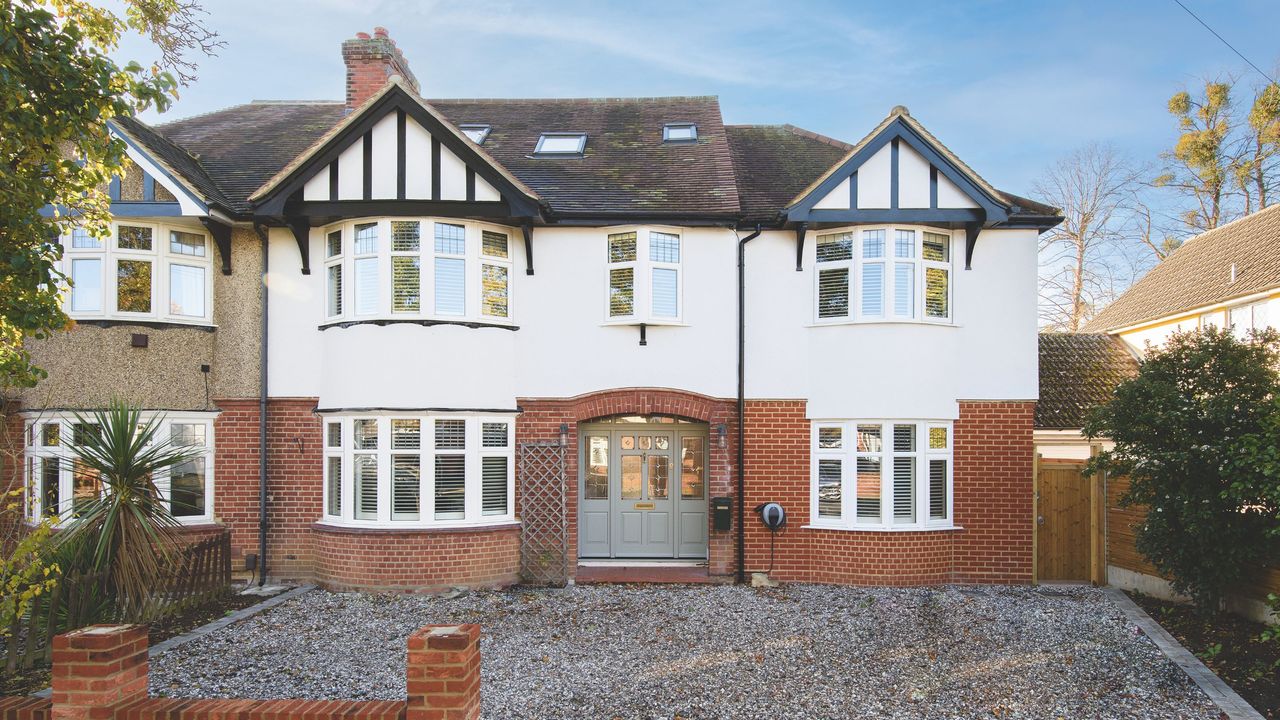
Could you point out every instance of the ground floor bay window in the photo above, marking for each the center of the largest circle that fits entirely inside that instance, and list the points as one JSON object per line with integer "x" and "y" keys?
{"x": 881, "y": 474}
{"x": 419, "y": 470}
{"x": 58, "y": 486}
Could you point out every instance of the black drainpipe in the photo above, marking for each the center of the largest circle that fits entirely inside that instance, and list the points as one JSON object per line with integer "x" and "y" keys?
{"x": 262, "y": 417}
{"x": 742, "y": 391}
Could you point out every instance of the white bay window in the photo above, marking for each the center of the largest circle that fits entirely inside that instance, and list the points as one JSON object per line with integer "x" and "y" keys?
{"x": 143, "y": 271}
{"x": 413, "y": 268}
{"x": 889, "y": 274}
{"x": 881, "y": 474}
{"x": 57, "y": 484}
{"x": 407, "y": 470}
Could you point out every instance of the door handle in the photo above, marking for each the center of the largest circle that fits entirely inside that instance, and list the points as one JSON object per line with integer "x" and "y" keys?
{"x": 1040, "y": 519}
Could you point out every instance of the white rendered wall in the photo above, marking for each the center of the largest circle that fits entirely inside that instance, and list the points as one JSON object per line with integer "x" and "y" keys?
{"x": 564, "y": 346}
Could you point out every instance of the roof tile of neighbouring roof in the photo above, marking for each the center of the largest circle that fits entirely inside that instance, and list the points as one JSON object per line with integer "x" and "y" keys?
{"x": 737, "y": 171}
{"x": 1199, "y": 273}
{"x": 1079, "y": 371}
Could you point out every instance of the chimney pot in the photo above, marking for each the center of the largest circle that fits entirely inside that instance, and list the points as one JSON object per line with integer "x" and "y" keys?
{"x": 380, "y": 32}
{"x": 362, "y": 35}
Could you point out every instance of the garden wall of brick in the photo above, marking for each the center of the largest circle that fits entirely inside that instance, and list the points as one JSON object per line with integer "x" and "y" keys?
{"x": 100, "y": 673}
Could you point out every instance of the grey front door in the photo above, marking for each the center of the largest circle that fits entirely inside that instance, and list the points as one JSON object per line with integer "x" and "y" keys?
{"x": 642, "y": 491}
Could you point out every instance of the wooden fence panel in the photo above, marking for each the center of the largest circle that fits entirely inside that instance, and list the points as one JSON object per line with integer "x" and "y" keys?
{"x": 1122, "y": 551}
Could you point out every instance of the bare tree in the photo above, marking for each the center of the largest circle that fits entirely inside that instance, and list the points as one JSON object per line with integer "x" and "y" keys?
{"x": 1082, "y": 260}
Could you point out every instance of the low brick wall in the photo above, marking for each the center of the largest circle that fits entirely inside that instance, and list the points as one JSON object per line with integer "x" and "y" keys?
{"x": 389, "y": 560}
{"x": 100, "y": 673}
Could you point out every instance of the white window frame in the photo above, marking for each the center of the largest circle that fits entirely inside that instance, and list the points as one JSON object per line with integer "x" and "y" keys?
{"x": 473, "y": 454}
{"x": 849, "y": 453}
{"x": 33, "y": 437}
{"x": 162, "y": 260}
{"x": 889, "y": 261}
{"x": 642, "y": 276}
{"x": 539, "y": 149}
{"x": 473, "y": 257}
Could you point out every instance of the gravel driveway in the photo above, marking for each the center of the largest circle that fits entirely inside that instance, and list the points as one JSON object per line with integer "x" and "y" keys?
{"x": 800, "y": 651}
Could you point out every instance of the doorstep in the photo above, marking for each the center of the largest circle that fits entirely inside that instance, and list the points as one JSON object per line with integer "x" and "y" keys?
{"x": 614, "y": 572}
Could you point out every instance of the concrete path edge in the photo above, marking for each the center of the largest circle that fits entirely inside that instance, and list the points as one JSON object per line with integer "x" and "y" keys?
{"x": 1218, "y": 691}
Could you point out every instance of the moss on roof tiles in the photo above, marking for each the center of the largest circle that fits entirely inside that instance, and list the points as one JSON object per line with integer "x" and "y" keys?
{"x": 1079, "y": 371}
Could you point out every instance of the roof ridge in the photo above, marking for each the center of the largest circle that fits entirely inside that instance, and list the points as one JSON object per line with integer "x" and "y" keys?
{"x": 802, "y": 132}
{"x": 1224, "y": 226}
{"x": 286, "y": 102}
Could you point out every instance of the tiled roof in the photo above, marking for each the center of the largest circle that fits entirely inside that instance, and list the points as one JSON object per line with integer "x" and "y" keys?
{"x": 743, "y": 171}
{"x": 625, "y": 167}
{"x": 1199, "y": 273}
{"x": 176, "y": 160}
{"x": 774, "y": 162}
{"x": 1077, "y": 372}
{"x": 242, "y": 146}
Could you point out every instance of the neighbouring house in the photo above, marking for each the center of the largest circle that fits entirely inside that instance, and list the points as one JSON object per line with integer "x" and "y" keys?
{"x": 1078, "y": 372}
{"x": 558, "y": 331}
{"x": 1226, "y": 277}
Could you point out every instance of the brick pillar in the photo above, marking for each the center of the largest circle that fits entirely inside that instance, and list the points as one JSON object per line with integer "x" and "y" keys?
{"x": 443, "y": 673}
{"x": 97, "y": 668}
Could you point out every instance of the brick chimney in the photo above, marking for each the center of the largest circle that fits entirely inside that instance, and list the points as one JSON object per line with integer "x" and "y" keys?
{"x": 371, "y": 61}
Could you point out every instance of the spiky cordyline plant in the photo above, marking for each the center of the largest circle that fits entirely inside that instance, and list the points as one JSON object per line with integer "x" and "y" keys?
{"x": 127, "y": 532}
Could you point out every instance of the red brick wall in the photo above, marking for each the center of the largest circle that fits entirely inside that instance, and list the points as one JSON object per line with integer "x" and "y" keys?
{"x": 993, "y": 465}
{"x": 294, "y": 466}
{"x": 541, "y": 419}
{"x": 416, "y": 560}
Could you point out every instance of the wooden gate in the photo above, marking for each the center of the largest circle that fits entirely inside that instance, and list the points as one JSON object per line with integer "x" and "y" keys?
{"x": 1069, "y": 523}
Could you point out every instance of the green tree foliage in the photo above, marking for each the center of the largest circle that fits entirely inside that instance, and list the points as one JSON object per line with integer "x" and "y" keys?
{"x": 58, "y": 89}
{"x": 28, "y": 571}
{"x": 127, "y": 532}
{"x": 1226, "y": 161}
{"x": 1191, "y": 433}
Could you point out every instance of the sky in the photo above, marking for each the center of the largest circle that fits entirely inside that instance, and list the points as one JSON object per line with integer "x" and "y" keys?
{"x": 1010, "y": 86}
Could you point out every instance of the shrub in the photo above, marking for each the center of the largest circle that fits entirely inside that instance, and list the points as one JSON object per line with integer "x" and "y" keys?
{"x": 1191, "y": 432}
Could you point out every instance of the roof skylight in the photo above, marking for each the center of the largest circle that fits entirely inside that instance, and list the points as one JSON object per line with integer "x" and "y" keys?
{"x": 560, "y": 143}
{"x": 476, "y": 132}
{"x": 679, "y": 132}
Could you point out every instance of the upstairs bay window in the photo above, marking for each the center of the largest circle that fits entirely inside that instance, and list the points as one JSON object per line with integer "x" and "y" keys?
{"x": 141, "y": 272}
{"x": 881, "y": 474}
{"x": 419, "y": 470}
{"x": 883, "y": 275}
{"x": 57, "y": 485}
{"x": 417, "y": 269}
{"x": 642, "y": 278}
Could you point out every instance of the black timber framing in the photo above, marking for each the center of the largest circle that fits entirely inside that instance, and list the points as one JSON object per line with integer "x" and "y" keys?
{"x": 221, "y": 233}
{"x": 527, "y": 230}
{"x": 801, "y": 229}
{"x": 301, "y": 228}
{"x": 521, "y": 204}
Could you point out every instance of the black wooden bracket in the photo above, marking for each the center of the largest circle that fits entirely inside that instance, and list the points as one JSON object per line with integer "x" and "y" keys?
{"x": 801, "y": 229}
{"x": 644, "y": 340}
{"x": 301, "y": 228}
{"x": 527, "y": 230}
{"x": 971, "y": 230}
{"x": 221, "y": 233}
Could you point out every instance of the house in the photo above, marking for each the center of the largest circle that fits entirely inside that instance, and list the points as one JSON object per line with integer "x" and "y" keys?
{"x": 558, "y": 330}
{"x": 1226, "y": 277}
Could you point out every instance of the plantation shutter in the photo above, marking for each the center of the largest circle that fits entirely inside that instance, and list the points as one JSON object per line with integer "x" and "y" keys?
{"x": 494, "y": 472}
{"x": 937, "y": 489}
{"x": 833, "y": 293}
{"x": 335, "y": 485}
{"x": 450, "y": 472}
{"x": 904, "y": 474}
{"x": 365, "y": 473}
{"x": 830, "y": 490}
{"x": 451, "y": 284}
{"x": 366, "y": 296}
{"x": 335, "y": 290}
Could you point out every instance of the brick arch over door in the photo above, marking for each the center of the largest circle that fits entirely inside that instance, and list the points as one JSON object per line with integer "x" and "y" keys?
{"x": 541, "y": 419}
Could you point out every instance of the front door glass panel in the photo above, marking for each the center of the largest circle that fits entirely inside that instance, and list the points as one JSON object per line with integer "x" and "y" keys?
{"x": 692, "y": 468}
{"x": 659, "y": 472}
{"x": 632, "y": 480}
{"x": 598, "y": 468}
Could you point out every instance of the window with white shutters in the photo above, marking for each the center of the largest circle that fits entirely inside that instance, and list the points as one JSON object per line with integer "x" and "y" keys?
{"x": 883, "y": 274}
{"x": 881, "y": 474}
{"x": 142, "y": 271}
{"x": 416, "y": 268}
{"x": 643, "y": 277}
{"x": 419, "y": 470}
